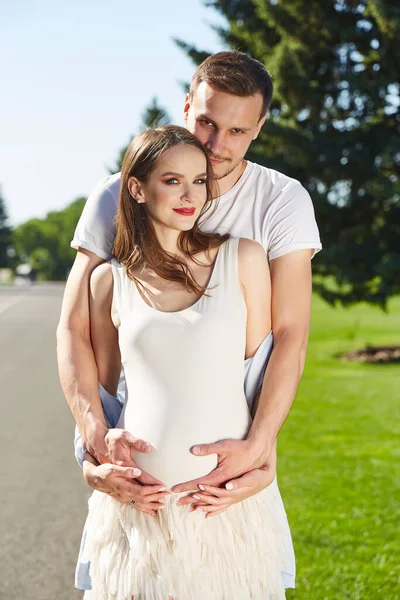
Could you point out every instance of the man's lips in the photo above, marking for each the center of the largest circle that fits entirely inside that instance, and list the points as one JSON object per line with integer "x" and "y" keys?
{"x": 216, "y": 161}
{"x": 188, "y": 212}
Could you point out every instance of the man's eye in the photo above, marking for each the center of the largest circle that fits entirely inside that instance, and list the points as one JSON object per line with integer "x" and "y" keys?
{"x": 172, "y": 180}
{"x": 206, "y": 123}
{"x": 237, "y": 130}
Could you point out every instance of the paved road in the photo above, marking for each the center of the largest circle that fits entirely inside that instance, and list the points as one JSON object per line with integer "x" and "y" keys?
{"x": 43, "y": 497}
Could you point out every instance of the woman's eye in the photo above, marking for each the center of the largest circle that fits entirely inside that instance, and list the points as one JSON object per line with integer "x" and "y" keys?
{"x": 201, "y": 181}
{"x": 172, "y": 180}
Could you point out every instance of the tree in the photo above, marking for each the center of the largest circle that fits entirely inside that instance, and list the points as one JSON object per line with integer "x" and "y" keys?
{"x": 45, "y": 243}
{"x": 5, "y": 234}
{"x": 334, "y": 125}
{"x": 42, "y": 261}
{"x": 152, "y": 116}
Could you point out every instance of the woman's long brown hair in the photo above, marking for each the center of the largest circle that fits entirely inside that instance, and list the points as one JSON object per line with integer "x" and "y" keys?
{"x": 136, "y": 243}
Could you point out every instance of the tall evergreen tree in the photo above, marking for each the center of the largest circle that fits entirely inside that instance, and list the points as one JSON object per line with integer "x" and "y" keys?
{"x": 333, "y": 125}
{"x": 5, "y": 234}
{"x": 153, "y": 115}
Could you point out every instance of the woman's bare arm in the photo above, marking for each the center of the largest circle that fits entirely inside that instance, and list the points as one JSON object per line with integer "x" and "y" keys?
{"x": 256, "y": 287}
{"x": 104, "y": 335}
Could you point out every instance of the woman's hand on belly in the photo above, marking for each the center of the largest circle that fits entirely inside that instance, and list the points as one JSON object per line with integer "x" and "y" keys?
{"x": 121, "y": 483}
{"x": 215, "y": 500}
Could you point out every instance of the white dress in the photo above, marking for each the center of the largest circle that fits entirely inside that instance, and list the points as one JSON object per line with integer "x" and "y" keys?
{"x": 185, "y": 385}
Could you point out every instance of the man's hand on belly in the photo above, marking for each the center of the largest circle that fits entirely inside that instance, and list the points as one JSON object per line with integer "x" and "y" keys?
{"x": 120, "y": 445}
{"x": 235, "y": 457}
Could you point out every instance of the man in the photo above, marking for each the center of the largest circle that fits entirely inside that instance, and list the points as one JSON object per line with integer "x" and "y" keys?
{"x": 226, "y": 107}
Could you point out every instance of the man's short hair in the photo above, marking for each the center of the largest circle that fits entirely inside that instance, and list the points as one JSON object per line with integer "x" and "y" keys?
{"x": 235, "y": 73}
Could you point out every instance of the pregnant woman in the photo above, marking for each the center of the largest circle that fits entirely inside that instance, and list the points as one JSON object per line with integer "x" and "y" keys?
{"x": 180, "y": 309}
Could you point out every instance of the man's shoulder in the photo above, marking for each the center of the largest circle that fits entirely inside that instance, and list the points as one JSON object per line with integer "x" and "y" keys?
{"x": 274, "y": 183}
{"x": 109, "y": 185}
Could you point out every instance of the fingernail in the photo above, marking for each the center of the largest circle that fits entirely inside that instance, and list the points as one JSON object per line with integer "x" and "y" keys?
{"x": 201, "y": 487}
{"x": 146, "y": 446}
{"x": 196, "y": 497}
{"x": 196, "y": 450}
{"x": 229, "y": 486}
{"x": 177, "y": 490}
{"x": 162, "y": 506}
{"x": 199, "y": 509}
{"x": 162, "y": 489}
{"x": 136, "y": 472}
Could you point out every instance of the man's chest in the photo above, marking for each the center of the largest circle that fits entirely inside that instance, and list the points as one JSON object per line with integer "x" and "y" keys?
{"x": 242, "y": 218}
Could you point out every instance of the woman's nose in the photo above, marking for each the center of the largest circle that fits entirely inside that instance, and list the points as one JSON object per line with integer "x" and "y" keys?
{"x": 187, "y": 195}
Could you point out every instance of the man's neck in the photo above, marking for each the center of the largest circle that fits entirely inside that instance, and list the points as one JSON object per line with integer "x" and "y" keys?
{"x": 226, "y": 183}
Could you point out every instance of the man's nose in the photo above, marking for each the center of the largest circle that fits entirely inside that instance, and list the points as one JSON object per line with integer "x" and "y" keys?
{"x": 215, "y": 143}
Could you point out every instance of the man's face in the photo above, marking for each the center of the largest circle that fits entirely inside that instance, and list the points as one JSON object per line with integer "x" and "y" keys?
{"x": 225, "y": 124}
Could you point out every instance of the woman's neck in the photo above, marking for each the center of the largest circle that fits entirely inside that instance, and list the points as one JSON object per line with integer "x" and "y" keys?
{"x": 168, "y": 239}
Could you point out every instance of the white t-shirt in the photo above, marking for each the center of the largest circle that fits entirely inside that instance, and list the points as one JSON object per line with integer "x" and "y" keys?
{"x": 264, "y": 205}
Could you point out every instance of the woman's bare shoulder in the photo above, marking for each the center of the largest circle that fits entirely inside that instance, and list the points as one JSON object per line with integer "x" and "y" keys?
{"x": 101, "y": 281}
{"x": 250, "y": 251}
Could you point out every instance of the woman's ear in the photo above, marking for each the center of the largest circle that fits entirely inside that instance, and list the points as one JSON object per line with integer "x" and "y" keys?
{"x": 136, "y": 190}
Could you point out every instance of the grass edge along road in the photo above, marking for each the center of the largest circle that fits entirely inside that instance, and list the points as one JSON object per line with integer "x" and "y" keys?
{"x": 338, "y": 458}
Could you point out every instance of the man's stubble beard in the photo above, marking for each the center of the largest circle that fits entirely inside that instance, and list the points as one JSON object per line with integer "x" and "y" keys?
{"x": 227, "y": 172}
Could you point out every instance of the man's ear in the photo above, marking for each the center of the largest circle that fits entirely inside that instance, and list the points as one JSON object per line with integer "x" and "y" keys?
{"x": 186, "y": 107}
{"x": 259, "y": 125}
{"x": 136, "y": 190}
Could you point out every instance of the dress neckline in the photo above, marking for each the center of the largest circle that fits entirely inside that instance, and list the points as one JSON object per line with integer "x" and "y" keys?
{"x": 192, "y": 306}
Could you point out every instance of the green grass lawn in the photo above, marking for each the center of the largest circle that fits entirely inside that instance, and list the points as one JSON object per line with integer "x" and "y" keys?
{"x": 339, "y": 467}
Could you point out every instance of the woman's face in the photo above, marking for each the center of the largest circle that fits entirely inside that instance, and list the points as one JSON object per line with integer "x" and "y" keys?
{"x": 175, "y": 191}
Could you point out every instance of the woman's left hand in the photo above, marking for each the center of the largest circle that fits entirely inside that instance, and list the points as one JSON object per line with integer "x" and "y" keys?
{"x": 215, "y": 500}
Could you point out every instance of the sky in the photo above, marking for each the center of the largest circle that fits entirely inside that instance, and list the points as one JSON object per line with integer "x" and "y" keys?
{"x": 75, "y": 79}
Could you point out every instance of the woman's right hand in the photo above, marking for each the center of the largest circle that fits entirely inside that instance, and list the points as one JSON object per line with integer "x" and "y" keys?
{"x": 121, "y": 483}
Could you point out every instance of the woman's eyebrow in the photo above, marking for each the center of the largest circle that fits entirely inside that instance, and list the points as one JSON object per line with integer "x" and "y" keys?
{"x": 172, "y": 173}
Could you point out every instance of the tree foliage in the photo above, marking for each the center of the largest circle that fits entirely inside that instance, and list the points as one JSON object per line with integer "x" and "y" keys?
{"x": 334, "y": 125}
{"x": 45, "y": 243}
{"x": 5, "y": 234}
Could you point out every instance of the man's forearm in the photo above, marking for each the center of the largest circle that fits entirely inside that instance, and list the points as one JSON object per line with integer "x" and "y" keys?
{"x": 279, "y": 388}
{"x": 78, "y": 376}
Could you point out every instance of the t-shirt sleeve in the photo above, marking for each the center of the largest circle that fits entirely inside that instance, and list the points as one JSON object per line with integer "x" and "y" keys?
{"x": 293, "y": 225}
{"x": 95, "y": 230}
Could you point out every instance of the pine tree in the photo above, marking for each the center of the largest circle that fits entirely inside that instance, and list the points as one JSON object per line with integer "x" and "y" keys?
{"x": 334, "y": 125}
{"x": 153, "y": 115}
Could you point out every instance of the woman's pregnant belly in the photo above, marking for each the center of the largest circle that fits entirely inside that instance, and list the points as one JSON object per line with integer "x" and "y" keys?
{"x": 173, "y": 424}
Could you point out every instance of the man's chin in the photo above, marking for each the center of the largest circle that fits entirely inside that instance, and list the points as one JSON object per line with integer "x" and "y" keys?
{"x": 221, "y": 171}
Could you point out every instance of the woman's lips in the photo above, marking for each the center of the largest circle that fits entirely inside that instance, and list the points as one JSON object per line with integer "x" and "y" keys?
{"x": 187, "y": 212}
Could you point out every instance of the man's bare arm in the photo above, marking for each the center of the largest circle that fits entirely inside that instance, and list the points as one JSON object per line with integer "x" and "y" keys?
{"x": 76, "y": 362}
{"x": 291, "y": 308}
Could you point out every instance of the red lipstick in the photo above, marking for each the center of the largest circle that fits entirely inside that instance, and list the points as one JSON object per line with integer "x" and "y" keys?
{"x": 187, "y": 212}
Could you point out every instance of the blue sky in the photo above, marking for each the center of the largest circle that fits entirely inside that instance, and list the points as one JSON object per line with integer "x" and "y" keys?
{"x": 75, "y": 79}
